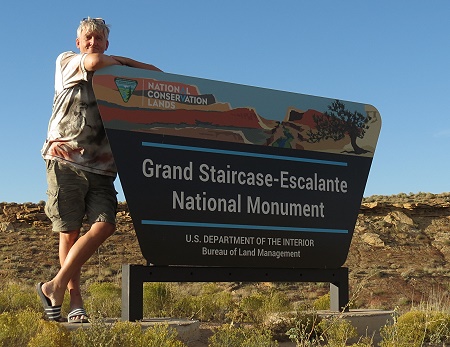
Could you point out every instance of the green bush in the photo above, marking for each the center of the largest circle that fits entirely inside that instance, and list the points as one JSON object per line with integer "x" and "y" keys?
{"x": 307, "y": 330}
{"x": 322, "y": 303}
{"x": 125, "y": 334}
{"x": 337, "y": 331}
{"x": 51, "y": 334}
{"x": 14, "y": 297}
{"x": 18, "y": 328}
{"x": 416, "y": 327}
{"x": 104, "y": 300}
{"x": 438, "y": 328}
{"x": 158, "y": 299}
{"x": 229, "y": 336}
{"x": 26, "y": 328}
{"x": 364, "y": 342}
{"x": 257, "y": 307}
{"x": 160, "y": 335}
{"x": 408, "y": 330}
{"x": 251, "y": 307}
{"x": 211, "y": 303}
{"x": 313, "y": 331}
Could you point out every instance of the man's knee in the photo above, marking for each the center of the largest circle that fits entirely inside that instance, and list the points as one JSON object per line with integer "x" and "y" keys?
{"x": 105, "y": 228}
{"x": 111, "y": 229}
{"x": 70, "y": 236}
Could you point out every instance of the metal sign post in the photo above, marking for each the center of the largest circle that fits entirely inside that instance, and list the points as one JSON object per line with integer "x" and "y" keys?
{"x": 133, "y": 277}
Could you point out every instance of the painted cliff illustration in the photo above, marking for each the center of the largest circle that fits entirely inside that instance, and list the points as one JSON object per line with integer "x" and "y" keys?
{"x": 182, "y": 109}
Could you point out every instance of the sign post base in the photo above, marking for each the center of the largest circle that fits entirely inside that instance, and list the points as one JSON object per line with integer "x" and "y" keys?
{"x": 134, "y": 276}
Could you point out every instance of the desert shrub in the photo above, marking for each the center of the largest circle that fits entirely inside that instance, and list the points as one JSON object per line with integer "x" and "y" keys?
{"x": 125, "y": 334}
{"x": 50, "y": 334}
{"x": 416, "y": 327}
{"x": 184, "y": 307}
{"x": 322, "y": 303}
{"x": 229, "y": 336}
{"x": 408, "y": 330}
{"x": 102, "y": 334}
{"x": 257, "y": 307}
{"x": 336, "y": 332}
{"x": 306, "y": 331}
{"x": 104, "y": 300}
{"x": 18, "y": 328}
{"x": 248, "y": 309}
{"x": 211, "y": 303}
{"x": 160, "y": 335}
{"x": 158, "y": 299}
{"x": 363, "y": 342}
{"x": 99, "y": 334}
{"x": 438, "y": 327}
{"x": 279, "y": 323}
{"x": 277, "y": 302}
{"x": 13, "y": 297}
{"x": 313, "y": 331}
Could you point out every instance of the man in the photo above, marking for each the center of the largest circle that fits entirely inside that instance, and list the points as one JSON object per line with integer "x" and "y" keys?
{"x": 80, "y": 166}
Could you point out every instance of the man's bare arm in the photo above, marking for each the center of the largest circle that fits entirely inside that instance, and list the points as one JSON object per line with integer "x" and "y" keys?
{"x": 96, "y": 61}
{"x": 134, "y": 63}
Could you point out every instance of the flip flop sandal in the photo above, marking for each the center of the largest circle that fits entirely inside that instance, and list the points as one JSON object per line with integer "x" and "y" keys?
{"x": 52, "y": 313}
{"x": 78, "y": 312}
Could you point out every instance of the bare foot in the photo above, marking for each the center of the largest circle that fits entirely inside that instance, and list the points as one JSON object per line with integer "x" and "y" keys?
{"x": 55, "y": 295}
{"x": 78, "y": 315}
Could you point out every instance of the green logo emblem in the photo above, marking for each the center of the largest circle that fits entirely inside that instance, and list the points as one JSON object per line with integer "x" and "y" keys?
{"x": 126, "y": 87}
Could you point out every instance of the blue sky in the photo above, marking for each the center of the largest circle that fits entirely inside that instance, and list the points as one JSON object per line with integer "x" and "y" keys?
{"x": 391, "y": 54}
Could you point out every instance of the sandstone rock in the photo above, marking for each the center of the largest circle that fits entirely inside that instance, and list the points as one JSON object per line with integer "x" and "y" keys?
{"x": 398, "y": 217}
{"x": 6, "y": 226}
{"x": 372, "y": 239}
{"x": 31, "y": 217}
{"x": 12, "y": 209}
{"x": 369, "y": 205}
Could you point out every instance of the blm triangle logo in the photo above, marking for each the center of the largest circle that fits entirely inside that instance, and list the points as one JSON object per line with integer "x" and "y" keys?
{"x": 126, "y": 87}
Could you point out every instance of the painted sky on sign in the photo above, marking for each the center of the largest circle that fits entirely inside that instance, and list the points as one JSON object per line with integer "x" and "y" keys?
{"x": 393, "y": 55}
{"x": 270, "y": 104}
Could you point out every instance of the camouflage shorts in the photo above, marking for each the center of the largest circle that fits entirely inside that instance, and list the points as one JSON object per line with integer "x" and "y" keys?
{"x": 74, "y": 194}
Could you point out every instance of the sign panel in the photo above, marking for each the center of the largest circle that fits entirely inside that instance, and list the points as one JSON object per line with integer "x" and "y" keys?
{"x": 220, "y": 174}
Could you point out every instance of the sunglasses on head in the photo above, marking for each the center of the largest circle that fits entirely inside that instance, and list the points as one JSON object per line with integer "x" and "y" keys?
{"x": 100, "y": 20}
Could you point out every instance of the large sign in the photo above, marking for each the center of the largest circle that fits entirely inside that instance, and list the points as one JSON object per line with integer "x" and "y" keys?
{"x": 220, "y": 174}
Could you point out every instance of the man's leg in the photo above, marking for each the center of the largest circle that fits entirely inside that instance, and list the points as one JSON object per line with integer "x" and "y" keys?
{"x": 66, "y": 241}
{"x": 78, "y": 254}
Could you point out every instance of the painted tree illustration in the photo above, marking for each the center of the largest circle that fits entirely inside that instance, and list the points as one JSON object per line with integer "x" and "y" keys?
{"x": 338, "y": 122}
{"x": 128, "y": 92}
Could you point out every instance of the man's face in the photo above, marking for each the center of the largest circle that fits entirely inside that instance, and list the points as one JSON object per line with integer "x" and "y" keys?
{"x": 92, "y": 42}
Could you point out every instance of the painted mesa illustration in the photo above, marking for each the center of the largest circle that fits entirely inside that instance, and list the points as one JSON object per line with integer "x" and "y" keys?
{"x": 181, "y": 109}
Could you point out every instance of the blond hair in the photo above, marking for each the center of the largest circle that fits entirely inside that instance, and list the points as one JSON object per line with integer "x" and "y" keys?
{"x": 93, "y": 25}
